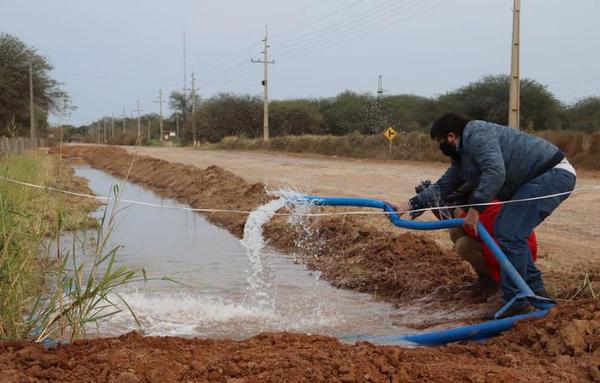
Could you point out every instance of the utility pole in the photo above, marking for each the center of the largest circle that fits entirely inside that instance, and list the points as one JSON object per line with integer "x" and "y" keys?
{"x": 139, "y": 128}
{"x": 193, "y": 96}
{"x": 515, "y": 87}
{"x": 177, "y": 124}
{"x": 149, "y": 129}
{"x": 380, "y": 87}
{"x": 124, "y": 116}
{"x": 184, "y": 64}
{"x": 112, "y": 125}
{"x": 160, "y": 102}
{"x": 265, "y": 84}
{"x": 31, "y": 112}
{"x": 104, "y": 129}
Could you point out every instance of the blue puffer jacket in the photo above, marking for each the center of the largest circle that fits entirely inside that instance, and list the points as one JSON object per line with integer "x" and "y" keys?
{"x": 496, "y": 160}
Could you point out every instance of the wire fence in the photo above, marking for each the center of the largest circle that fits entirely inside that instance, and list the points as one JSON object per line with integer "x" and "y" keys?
{"x": 18, "y": 145}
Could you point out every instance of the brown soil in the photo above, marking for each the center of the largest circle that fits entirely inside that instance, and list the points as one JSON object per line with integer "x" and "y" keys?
{"x": 565, "y": 347}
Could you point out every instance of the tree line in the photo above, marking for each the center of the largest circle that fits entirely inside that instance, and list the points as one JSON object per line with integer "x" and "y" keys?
{"x": 16, "y": 60}
{"x": 212, "y": 119}
{"x": 229, "y": 114}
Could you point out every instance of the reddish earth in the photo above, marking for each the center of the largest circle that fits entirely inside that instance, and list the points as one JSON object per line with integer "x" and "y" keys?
{"x": 564, "y": 347}
{"x": 355, "y": 254}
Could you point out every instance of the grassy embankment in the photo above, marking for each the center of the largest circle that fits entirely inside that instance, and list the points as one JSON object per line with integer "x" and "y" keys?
{"x": 44, "y": 294}
{"x": 582, "y": 149}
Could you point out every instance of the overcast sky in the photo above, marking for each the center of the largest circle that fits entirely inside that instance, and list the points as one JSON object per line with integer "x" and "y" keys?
{"x": 110, "y": 53}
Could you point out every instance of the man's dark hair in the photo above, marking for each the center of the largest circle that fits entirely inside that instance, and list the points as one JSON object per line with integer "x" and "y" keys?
{"x": 448, "y": 123}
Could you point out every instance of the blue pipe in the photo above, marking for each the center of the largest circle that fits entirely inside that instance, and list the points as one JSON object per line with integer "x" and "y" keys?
{"x": 473, "y": 332}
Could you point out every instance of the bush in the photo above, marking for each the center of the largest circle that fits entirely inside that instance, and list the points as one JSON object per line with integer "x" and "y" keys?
{"x": 410, "y": 146}
{"x": 582, "y": 150}
{"x": 486, "y": 99}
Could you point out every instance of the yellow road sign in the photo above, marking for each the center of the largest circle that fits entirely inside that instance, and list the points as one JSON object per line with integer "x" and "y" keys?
{"x": 390, "y": 133}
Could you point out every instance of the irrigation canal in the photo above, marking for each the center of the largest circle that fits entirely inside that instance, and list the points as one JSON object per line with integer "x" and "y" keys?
{"x": 219, "y": 297}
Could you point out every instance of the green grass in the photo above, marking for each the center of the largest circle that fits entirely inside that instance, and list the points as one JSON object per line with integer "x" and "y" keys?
{"x": 85, "y": 286}
{"x": 53, "y": 295}
{"x": 23, "y": 227}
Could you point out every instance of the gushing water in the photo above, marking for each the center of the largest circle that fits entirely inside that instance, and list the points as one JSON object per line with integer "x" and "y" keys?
{"x": 260, "y": 272}
{"x": 232, "y": 289}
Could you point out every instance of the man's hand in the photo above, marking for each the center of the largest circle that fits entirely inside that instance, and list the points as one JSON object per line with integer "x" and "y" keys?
{"x": 471, "y": 220}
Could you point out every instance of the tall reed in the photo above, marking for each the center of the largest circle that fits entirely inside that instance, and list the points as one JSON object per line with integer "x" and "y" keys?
{"x": 54, "y": 295}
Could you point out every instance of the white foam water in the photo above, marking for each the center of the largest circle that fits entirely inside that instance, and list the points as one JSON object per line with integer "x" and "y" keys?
{"x": 185, "y": 313}
{"x": 261, "y": 288}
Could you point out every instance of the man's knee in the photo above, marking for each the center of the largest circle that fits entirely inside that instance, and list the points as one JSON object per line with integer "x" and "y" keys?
{"x": 469, "y": 248}
{"x": 456, "y": 233}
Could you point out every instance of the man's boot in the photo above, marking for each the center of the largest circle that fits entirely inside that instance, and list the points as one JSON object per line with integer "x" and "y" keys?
{"x": 519, "y": 307}
{"x": 483, "y": 288}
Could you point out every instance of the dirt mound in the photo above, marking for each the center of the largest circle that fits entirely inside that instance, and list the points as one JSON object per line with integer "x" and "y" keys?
{"x": 563, "y": 347}
{"x": 352, "y": 254}
{"x": 570, "y": 334}
{"x": 396, "y": 266}
{"x": 273, "y": 357}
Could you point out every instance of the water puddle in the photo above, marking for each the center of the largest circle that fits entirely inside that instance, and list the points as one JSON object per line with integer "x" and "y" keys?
{"x": 233, "y": 288}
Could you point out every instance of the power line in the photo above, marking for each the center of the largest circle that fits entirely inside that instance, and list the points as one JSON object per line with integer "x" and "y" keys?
{"x": 334, "y": 13}
{"x": 344, "y": 30}
{"x": 130, "y": 78}
{"x": 218, "y": 66}
{"x": 253, "y": 45}
{"x": 381, "y": 9}
{"x": 235, "y": 69}
{"x": 365, "y": 34}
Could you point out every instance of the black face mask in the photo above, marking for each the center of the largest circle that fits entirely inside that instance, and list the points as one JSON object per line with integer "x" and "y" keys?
{"x": 449, "y": 150}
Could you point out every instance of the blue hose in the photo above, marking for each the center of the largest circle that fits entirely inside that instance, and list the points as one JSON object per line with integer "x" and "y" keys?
{"x": 475, "y": 332}
{"x": 472, "y": 332}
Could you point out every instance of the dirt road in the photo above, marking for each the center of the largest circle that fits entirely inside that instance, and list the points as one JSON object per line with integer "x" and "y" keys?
{"x": 568, "y": 239}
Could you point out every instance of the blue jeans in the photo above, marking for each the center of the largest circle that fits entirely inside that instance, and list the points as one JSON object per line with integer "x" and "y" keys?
{"x": 516, "y": 221}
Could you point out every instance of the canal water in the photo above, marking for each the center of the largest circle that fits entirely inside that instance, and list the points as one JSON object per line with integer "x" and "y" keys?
{"x": 229, "y": 288}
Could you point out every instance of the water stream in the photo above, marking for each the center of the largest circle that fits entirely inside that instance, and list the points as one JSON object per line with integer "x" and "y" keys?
{"x": 233, "y": 288}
